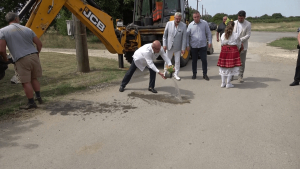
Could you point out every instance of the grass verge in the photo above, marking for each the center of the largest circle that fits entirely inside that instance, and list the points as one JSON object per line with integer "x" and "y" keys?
{"x": 55, "y": 40}
{"x": 60, "y": 77}
{"x": 276, "y": 27}
{"x": 289, "y": 43}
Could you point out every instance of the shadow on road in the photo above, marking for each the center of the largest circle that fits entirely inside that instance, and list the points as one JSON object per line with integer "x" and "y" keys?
{"x": 255, "y": 82}
{"x": 10, "y": 133}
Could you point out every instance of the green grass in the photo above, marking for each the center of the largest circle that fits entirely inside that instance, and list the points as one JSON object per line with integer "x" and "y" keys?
{"x": 60, "y": 77}
{"x": 289, "y": 43}
{"x": 276, "y": 27}
{"x": 55, "y": 40}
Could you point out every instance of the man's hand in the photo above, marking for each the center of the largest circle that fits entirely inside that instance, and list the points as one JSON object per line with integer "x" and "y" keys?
{"x": 209, "y": 45}
{"x": 162, "y": 75}
{"x": 188, "y": 48}
{"x": 242, "y": 48}
{"x": 165, "y": 48}
{"x": 217, "y": 39}
{"x": 182, "y": 52}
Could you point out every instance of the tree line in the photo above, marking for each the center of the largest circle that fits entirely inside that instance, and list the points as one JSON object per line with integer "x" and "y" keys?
{"x": 274, "y": 18}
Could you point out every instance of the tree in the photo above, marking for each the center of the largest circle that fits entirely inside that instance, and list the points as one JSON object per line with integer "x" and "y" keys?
{"x": 218, "y": 18}
{"x": 190, "y": 15}
{"x": 233, "y": 17}
{"x": 277, "y": 15}
{"x": 265, "y": 16}
{"x": 60, "y": 21}
{"x": 11, "y": 6}
{"x": 208, "y": 18}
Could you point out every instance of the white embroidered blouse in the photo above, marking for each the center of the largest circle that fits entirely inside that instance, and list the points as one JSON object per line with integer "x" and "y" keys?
{"x": 234, "y": 39}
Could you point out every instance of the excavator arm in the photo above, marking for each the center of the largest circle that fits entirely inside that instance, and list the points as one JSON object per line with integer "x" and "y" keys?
{"x": 43, "y": 12}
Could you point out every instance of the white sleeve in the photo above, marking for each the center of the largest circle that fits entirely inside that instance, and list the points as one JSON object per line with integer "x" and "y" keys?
{"x": 223, "y": 42}
{"x": 165, "y": 58}
{"x": 150, "y": 62}
{"x": 248, "y": 33}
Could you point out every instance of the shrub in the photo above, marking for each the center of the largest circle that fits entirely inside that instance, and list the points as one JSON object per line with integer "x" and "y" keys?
{"x": 61, "y": 24}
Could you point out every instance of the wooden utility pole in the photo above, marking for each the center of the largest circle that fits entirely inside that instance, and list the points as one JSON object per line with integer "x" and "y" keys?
{"x": 81, "y": 46}
{"x": 202, "y": 10}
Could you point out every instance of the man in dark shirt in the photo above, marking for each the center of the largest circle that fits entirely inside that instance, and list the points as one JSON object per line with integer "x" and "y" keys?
{"x": 297, "y": 72}
{"x": 221, "y": 28}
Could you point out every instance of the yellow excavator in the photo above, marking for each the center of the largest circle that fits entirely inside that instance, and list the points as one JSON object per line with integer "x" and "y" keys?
{"x": 148, "y": 22}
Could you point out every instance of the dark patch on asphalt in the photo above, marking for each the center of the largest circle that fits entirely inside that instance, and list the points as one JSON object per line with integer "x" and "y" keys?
{"x": 159, "y": 98}
{"x": 81, "y": 107}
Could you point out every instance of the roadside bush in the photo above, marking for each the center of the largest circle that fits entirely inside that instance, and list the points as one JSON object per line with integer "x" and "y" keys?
{"x": 217, "y": 18}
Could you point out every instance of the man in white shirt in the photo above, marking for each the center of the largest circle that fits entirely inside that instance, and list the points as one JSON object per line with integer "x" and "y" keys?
{"x": 174, "y": 41}
{"x": 142, "y": 58}
{"x": 243, "y": 28}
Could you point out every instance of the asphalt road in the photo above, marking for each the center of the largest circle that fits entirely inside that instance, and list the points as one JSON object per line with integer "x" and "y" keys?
{"x": 254, "y": 125}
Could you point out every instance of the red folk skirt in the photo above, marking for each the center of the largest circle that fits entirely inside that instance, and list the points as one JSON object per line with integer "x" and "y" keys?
{"x": 229, "y": 57}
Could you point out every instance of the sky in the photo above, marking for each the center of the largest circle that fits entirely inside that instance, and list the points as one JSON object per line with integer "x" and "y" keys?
{"x": 252, "y": 7}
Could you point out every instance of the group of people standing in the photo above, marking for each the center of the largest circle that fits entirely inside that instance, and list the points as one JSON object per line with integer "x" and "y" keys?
{"x": 196, "y": 39}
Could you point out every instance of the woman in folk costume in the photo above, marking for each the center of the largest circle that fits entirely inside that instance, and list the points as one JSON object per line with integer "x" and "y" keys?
{"x": 229, "y": 59}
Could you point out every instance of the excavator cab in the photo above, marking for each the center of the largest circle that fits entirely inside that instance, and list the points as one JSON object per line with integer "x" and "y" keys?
{"x": 157, "y": 12}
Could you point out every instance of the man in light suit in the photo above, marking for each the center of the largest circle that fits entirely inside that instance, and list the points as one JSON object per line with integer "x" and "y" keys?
{"x": 243, "y": 28}
{"x": 174, "y": 41}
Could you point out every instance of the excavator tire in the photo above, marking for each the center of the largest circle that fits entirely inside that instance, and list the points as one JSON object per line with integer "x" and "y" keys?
{"x": 183, "y": 62}
{"x": 128, "y": 57}
{"x": 118, "y": 34}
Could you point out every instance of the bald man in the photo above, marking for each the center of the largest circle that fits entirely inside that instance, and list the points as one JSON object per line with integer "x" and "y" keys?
{"x": 144, "y": 57}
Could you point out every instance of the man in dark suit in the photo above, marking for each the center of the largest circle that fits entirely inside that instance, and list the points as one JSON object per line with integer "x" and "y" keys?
{"x": 297, "y": 73}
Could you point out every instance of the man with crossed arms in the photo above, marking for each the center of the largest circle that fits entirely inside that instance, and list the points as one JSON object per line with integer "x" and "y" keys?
{"x": 174, "y": 41}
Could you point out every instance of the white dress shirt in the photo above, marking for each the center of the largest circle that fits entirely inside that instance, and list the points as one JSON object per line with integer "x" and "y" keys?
{"x": 145, "y": 55}
{"x": 234, "y": 39}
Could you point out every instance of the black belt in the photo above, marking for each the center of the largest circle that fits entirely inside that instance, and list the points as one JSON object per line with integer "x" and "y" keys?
{"x": 30, "y": 54}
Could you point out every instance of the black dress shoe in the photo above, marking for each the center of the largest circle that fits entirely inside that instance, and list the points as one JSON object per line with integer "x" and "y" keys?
{"x": 152, "y": 90}
{"x": 295, "y": 83}
{"x": 28, "y": 106}
{"x": 194, "y": 77}
{"x": 121, "y": 89}
{"x": 39, "y": 99}
{"x": 205, "y": 77}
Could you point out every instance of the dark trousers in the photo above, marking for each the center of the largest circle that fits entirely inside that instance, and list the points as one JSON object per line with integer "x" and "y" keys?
{"x": 202, "y": 52}
{"x": 130, "y": 72}
{"x": 297, "y": 73}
